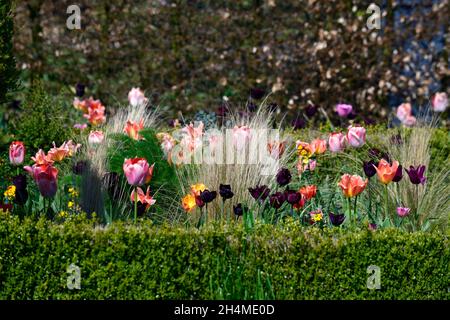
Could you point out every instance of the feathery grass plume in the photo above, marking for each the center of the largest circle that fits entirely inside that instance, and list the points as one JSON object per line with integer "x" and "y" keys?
{"x": 430, "y": 200}
{"x": 93, "y": 185}
{"x": 241, "y": 173}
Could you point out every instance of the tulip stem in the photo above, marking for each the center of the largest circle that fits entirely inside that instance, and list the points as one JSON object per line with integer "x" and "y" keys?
{"x": 349, "y": 204}
{"x": 135, "y": 204}
{"x": 386, "y": 197}
{"x": 354, "y": 209}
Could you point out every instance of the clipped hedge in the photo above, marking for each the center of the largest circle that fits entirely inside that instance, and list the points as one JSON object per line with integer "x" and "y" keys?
{"x": 145, "y": 262}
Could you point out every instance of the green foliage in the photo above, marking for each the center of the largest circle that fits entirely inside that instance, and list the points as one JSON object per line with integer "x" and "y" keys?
{"x": 440, "y": 149}
{"x": 8, "y": 72}
{"x": 42, "y": 120}
{"x": 164, "y": 181}
{"x": 285, "y": 262}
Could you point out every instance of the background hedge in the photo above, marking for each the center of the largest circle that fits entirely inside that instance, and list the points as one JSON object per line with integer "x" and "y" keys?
{"x": 188, "y": 54}
{"x": 145, "y": 262}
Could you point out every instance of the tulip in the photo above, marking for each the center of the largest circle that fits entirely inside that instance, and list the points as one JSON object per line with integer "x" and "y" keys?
{"x": 46, "y": 178}
{"x": 404, "y": 111}
{"x": 80, "y": 126}
{"x": 310, "y": 110}
{"x": 398, "y": 175}
{"x": 257, "y": 93}
{"x": 352, "y": 185}
{"x": 20, "y": 181}
{"x": 225, "y": 191}
{"x": 96, "y": 137}
{"x": 188, "y": 202}
{"x": 136, "y": 97}
{"x": 318, "y": 146}
{"x": 356, "y": 136}
{"x": 16, "y": 152}
{"x": 238, "y": 209}
{"x": 79, "y": 89}
{"x": 300, "y": 203}
{"x": 95, "y": 112}
{"x": 298, "y": 123}
{"x": 336, "y": 142}
{"x": 385, "y": 171}
{"x": 259, "y": 192}
{"x": 137, "y": 171}
{"x": 343, "y": 110}
{"x": 439, "y": 102}
{"x": 241, "y": 136}
{"x": 336, "y": 219}
{"x": 58, "y": 154}
{"x": 41, "y": 158}
{"x": 292, "y": 197}
{"x": 199, "y": 202}
{"x": 416, "y": 174}
{"x": 308, "y": 192}
{"x": 276, "y": 149}
{"x": 132, "y": 129}
{"x": 144, "y": 198}
{"x": 410, "y": 121}
{"x": 369, "y": 168}
{"x": 79, "y": 167}
{"x": 403, "y": 212}
{"x": 80, "y": 104}
{"x": 277, "y": 199}
{"x": 283, "y": 177}
{"x": 208, "y": 196}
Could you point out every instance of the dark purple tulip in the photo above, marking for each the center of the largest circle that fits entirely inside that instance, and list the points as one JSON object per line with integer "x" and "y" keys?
{"x": 272, "y": 107}
{"x": 79, "y": 89}
{"x": 141, "y": 208}
{"x": 259, "y": 192}
{"x": 283, "y": 177}
{"x": 199, "y": 202}
{"x": 208, "y": 196}
{"x": 310, "y": 110}
{"x": 277, "y": 199}
{"x": 257, "y": 93}
{"x": 252, "y": 107}
{"x": 20, "y": 181}
{"x": 416, "y": 175}
{"x": 336, "y": 219}
{"x": 225, "y": 191}
{"x": 369, "y": 168}
{"x": 222, "y": 111}
{"x": 292, "y": 197}
{"x": 399, "y": 174}
{"x": 298, "y": 123}
{"x": 79, "y": 167}
{"x": 352, "y": 115}
{"x": 239, "y": 209}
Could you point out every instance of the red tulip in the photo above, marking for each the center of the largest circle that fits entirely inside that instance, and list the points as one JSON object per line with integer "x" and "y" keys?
{"x": 46, "y": 178}
{"x": 16, "y": 153}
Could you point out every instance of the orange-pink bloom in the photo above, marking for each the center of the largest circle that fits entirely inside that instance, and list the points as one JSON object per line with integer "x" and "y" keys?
{"x": 95, "y": 112}
{"x": 318, "y": 146}
{"x": 385, "y": 171}
{"x": 16, "y": 152}
{"x": 132, "y": 129}
{"x": 144, "y": 198}
{"x": 352, "y": 185}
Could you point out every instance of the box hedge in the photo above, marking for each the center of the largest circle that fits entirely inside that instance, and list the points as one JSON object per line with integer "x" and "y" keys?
{"x": 285, "y": 262}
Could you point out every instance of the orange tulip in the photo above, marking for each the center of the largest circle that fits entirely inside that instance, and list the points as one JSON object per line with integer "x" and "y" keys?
{"x": 197, "y": 188}
{"x": 308, "y": 192}
{"x": 132, "y": 129}
{"x": 319, "y": 146}
{"x": 352, "y": 185}
{"x": 188, "y": 202}
{"x": 385, "y": 171}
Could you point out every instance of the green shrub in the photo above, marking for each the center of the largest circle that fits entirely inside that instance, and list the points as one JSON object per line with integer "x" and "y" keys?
{"x": 8, "y": 72}
{"x": 42, "y": 120}
{"x": 287, "y": 262}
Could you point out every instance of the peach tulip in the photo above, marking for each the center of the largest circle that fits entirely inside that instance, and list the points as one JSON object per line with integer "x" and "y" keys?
{"x": 318, "y": 146}
{"x": 132, "y": 129}
{"x": 58, "y": 153}
{"x": 385, "y": 171}
{"x": 352, "y": 185}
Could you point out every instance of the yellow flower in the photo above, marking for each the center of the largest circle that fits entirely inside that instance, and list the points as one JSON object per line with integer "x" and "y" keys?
{"x": 73, "y": 192}
{"x": 70, "y": 204}
{"x": 10, "y": 192}
{"x": 63, "y": 214}
{"x": 188, "y": 202}
{"x": 318, "y": 216}
{"x": 197, "y": 188}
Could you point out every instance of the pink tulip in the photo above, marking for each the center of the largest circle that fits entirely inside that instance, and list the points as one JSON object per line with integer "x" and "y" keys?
{"x": 16, "y": 152}
{"x": 137, "y": 171}
{"x": 410, "y": 121}
{"x": 136, "y": 97}
{"x": 241, "y": 136}
{"x": 343, "y": 110}
{"x": 356, "y": 136}
{"x": 404, "y": 114}
{"x": 439, "y": 102}
{"x": 336, "y": 142}
{"x": 80, "y": 126}
{"x": 96, "y": 137}
{"x": 46, "y": 178}
{"x": 403, "y": 211}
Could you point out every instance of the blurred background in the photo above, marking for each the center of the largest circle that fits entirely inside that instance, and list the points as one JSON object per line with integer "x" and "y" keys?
{"x": 190, "y": 55}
